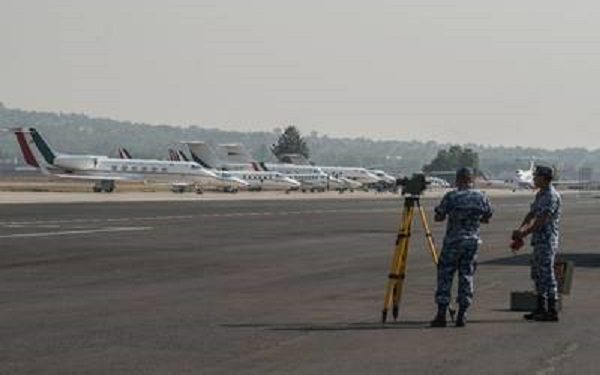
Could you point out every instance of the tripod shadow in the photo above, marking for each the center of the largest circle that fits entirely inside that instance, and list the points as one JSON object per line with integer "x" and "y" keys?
{"x": 368, "y": 326}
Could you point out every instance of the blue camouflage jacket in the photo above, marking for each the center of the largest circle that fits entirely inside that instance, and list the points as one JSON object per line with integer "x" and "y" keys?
{"x": 465, "y": 209}
{"x": 547, "y": 201}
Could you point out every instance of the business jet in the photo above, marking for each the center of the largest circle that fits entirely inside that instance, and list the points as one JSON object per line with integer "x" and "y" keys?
{"x": 238, "y": 155}
{"x": 257, "y": 181}
{"x": 105, "y": 170}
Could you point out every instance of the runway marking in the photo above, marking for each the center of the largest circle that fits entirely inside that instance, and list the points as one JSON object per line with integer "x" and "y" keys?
{"x": 83, "y": 220}
{"x": 187, "y": 217}
{"x": 76, "y": 232}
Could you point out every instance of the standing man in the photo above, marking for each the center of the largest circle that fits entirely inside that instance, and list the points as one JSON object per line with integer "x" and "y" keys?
{"x": 542, "y": 222}
{"x": 465, "y": 208}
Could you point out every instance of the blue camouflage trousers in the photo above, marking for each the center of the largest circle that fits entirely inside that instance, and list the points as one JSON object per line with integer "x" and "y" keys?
{"x": 462, "y": 256}
{"x": 542, "y": 270}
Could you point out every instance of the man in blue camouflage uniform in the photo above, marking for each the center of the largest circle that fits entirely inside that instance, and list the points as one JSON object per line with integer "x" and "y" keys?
{"x": 542, "y": 222}
{"x": 465, "y": 208}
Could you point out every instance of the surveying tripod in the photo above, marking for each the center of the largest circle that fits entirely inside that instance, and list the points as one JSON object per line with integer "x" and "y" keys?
{"x": 397, "y": 274}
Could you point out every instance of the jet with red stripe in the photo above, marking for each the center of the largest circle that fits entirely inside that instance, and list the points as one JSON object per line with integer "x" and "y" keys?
{"x": 105, "y": 170}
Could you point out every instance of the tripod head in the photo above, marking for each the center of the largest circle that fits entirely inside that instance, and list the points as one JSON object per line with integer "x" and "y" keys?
{"x": 414, "y": 186}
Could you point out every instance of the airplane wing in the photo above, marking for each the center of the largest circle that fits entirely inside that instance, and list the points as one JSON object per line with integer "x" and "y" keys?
{"x": 98, "y": 177}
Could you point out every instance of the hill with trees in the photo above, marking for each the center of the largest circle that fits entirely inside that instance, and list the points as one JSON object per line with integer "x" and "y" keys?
{"x": 79, "y": 133}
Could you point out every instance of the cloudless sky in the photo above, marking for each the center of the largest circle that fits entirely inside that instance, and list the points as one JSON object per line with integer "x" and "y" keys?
{"x": 512, "y": 72}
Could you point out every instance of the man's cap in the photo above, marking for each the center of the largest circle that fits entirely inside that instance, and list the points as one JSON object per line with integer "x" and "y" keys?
{"x": 543, "y": 171}
{"x": 464, "y": 173}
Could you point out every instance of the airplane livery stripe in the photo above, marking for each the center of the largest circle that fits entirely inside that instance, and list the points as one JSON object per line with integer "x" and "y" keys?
{"x": 27, "y": 154}
{"x": 43, "y": 147}
{"x": 198, "y": 160}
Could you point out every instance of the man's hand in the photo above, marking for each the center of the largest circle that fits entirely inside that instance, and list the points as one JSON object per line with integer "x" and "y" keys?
{"x": 516, "y": 245}
{"x": 517, "y": 235}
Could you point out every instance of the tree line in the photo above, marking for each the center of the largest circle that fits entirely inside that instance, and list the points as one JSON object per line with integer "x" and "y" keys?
{"x": 78, "y": 133}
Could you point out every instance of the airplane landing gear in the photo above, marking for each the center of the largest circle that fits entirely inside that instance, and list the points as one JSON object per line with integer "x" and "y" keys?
{"x": 104, "y": 185}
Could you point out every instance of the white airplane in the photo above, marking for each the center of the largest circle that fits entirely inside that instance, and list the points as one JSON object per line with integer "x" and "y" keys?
{"x": 523, "y": 178}
{"x": 105, "y": 171}
{"x": 311, "y": 178}
{"x": 383, "y": 176}
{"x": 257, "y": 181}
{"x": 237, "y": 154}
{"x": 438, "y": 182}
{"x": 182, "y": 187}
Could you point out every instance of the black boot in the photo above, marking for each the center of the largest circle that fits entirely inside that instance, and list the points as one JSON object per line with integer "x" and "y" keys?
{"x": 551, "y": 315}
{"x": 539, "y": 309}
{"x": 440, "y": 317}
{"x": 461, "y": 317}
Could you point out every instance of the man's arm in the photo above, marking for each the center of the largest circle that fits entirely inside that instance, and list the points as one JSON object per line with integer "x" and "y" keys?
{"x": 441, "y": 210}
{"x": 527, "y": 219}
{"x": 531, "y": 224}
{"x": 488, "y": 211}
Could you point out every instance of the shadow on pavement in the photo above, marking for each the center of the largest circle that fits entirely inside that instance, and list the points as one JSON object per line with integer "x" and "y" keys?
{"x": 580, "y": 260}
{"x": 359, "y": 326}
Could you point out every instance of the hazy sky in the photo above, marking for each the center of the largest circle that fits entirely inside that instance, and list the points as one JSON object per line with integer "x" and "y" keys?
{"x": 513, "y": 72}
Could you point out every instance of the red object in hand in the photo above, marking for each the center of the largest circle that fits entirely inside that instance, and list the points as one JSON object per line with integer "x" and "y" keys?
{"x": 517, "y": 244}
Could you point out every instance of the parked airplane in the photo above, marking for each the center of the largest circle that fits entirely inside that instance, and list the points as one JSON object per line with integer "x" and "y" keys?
{"x": 178, "y": 156}
{"x": 105, "y": 171}
{"x": 523, "y": 178}
{"x": 237, "y": 154}
{"x": 256, "y": 180}
{"x": 310, "y": 178}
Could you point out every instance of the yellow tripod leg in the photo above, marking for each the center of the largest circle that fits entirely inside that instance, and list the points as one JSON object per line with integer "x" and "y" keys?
{"x": 395, "y": 266}
{"x": 402, "y": 266}
{"x": 429, "y": 236}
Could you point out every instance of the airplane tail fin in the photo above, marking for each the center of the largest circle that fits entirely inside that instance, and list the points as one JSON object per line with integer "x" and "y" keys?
{"x": 237, "y": 153}
{"x": 182, "y": 156}
{"x": 36, "y": 151}
{"x": 42, "y": 146}
{"x": 173, "y": 156}
{"x": 203, "y": 154}
{"x": 123, "y": 153}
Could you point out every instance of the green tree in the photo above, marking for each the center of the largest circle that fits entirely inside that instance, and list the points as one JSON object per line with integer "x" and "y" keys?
{"x": 290, "y": 142}
{"x": 453, "y": 158}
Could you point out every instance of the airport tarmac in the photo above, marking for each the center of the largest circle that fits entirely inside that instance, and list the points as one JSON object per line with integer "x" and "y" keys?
{"x": 272, "y": 286}
{"x": 10, "y": 197}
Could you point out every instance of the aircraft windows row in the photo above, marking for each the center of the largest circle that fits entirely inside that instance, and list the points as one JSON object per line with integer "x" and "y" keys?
{"x": 125, "y": 168}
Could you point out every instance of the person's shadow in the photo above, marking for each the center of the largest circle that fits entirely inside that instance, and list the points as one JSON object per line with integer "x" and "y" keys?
{"x": 358, "y": 326}
{"x": 584, "y": 260}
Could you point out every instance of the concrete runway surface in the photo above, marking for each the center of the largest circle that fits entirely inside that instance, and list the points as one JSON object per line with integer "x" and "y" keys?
{"x": 294, "y": 287}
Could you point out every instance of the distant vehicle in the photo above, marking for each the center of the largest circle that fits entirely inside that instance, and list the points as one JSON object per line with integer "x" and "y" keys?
{"x": 105, "y": 171}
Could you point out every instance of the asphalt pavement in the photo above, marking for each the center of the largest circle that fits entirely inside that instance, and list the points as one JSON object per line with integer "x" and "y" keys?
{"x": 294, "y": 287}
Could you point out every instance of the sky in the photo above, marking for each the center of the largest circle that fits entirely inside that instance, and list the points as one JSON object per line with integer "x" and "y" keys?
{"x": 511, "y": 72}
